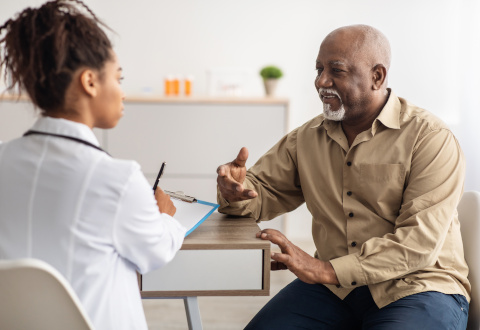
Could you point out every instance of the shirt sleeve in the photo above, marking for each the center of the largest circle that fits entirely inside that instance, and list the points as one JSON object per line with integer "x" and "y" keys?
{"x": 275, "y": 178}
{"x": 433, "y": 189}
{"x": 147, "y": 238}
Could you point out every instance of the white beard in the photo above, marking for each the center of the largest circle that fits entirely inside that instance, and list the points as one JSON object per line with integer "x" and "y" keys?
{"x": 337, "y": 115}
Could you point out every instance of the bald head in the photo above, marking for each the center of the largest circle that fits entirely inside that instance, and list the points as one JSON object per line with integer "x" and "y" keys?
{"x": 366, "y": 43}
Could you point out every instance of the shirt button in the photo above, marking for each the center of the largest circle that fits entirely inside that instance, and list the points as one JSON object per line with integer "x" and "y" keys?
{"x": 354, "y": 283}
{"x": 349, "y": 163}
{"x": 349, "y": 193}
{"x": 353, "y": 244}
{"x": 350, "y": 214}
{"x": 338, "y": 286}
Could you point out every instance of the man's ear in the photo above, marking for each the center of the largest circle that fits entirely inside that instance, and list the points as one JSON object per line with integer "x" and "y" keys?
{"x": 89, "y": 82}
{"x": 379, "y": 76}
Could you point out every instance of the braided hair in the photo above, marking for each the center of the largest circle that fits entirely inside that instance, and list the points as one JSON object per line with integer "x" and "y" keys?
{"x": 43, "y": 47}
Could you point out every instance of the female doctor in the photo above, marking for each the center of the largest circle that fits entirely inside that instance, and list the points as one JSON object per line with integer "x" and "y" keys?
{"x": 62, "y": 198}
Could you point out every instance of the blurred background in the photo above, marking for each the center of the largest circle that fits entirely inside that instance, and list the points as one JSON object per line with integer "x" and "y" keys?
{"x": 435, "y": 46}
{"x": 435, "y": 63}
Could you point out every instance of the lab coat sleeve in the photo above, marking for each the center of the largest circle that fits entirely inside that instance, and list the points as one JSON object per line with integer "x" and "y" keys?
{"x": 147, "y": 238}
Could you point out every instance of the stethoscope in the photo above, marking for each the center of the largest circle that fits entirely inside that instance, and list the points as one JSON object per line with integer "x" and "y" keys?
{"x": 32, "y": 132}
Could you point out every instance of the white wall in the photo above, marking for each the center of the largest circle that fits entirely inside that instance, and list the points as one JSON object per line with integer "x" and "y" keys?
{"x": 434, "y": 44}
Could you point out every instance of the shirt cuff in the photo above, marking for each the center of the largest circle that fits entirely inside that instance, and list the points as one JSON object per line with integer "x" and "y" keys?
{"x": 349, "y": 271}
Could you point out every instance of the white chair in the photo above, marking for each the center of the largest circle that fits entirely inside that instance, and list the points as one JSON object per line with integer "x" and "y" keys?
{"x": 469, "y": 216}
{"x": 33, "y": 295}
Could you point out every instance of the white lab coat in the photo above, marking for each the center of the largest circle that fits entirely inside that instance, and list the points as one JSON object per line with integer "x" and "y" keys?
{"x": 92, "y": 217}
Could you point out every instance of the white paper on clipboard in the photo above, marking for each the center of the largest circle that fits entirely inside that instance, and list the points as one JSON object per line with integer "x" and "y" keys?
{"x": 191, "y": 215}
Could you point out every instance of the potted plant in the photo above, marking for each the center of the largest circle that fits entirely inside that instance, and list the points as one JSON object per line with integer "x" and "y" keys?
{"x": 270, "y": 75}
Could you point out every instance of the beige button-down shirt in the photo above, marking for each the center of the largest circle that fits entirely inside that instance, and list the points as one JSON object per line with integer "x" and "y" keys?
{"x": 384, "y": 209}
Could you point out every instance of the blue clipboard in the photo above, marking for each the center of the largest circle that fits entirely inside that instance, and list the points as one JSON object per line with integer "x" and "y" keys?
{"x": 190, "y": 211}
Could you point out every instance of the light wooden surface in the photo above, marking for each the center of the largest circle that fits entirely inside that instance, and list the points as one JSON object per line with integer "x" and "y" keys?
{"x": 178, "y": 99}
{"x": 220, "y": 233}
{"x": 206, "y": 100}
{"x": 225, "y": 232}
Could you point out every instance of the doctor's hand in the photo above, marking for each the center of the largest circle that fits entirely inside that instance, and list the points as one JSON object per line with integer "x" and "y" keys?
{"x": 165, "y": 204}
{"x": 231, "y": 176}
{"x": 307, "y": 268}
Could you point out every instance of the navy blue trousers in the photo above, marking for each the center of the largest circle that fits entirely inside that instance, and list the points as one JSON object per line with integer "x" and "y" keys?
{"x": 313, "y": 306}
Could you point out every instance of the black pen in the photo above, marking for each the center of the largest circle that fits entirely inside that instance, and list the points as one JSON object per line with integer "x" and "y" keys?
{"x": 160, "y": 173}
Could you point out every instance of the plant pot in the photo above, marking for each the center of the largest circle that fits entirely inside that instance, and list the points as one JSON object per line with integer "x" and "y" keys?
{"x": 270, "y": 86}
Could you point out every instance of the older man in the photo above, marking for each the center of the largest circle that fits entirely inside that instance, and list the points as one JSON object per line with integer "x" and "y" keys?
{"x": 382, "y": 179}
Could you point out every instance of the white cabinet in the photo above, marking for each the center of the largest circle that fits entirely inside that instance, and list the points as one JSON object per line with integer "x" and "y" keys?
{"x": 194, "y": 138}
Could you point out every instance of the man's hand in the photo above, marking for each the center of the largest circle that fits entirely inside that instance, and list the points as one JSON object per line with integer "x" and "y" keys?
{"x": 307, "y": 268}
{"x": 165, "y": 204}
{"x": 231, "y": 176}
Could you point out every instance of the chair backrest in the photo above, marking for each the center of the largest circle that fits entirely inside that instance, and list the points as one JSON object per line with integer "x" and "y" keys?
{"x": 469, "y": 216}
{"x": 33, "y": 295}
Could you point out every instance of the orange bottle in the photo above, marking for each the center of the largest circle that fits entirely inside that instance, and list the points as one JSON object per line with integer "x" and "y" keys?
{"x": 176, "y": 86}
{"x": 168, "y": 85}
{"x": 188, "y": 86}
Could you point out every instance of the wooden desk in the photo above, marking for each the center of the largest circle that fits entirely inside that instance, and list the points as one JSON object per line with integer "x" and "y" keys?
{"x": 222, "y": 257}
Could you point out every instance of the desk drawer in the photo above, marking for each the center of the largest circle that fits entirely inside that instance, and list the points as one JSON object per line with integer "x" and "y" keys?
{"x": 208, "y": 272}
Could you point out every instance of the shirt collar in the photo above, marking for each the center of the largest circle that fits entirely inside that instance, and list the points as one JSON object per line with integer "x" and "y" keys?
{"x": 389, "y": 116}
{"x": 65, "y": 127}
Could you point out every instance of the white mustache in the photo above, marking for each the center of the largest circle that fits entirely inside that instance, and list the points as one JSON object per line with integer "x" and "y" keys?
{"x": 328, "y": 91}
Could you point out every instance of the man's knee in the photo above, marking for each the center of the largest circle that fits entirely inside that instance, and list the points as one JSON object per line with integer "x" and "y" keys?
{"x": 302, "y": 305}
{"x": 425, "y": 310}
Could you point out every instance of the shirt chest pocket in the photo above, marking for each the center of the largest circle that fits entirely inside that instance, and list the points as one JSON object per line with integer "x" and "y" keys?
{"x": 382, "y": 188}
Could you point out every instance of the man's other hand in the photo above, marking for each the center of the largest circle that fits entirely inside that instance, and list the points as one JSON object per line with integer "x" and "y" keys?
{"x": 231, "y": 176}
{"x": 307, "y": 268}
